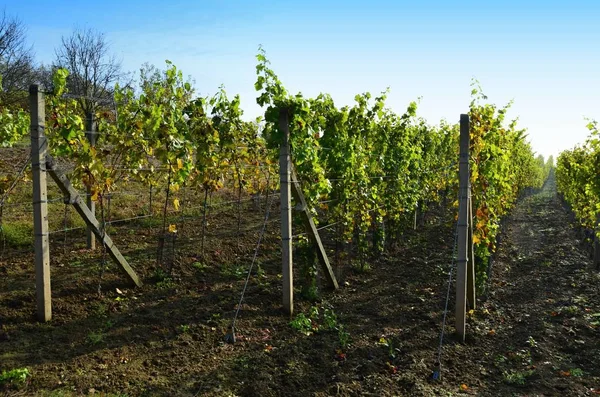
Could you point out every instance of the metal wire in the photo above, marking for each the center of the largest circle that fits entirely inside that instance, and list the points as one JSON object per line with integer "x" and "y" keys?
{"x": 444, "y": 317}
{"x": 260, "y": 237}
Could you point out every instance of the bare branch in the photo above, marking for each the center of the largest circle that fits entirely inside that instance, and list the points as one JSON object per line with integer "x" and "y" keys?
{"x": 16, "y": 60}
{"x": 93, "y": 71}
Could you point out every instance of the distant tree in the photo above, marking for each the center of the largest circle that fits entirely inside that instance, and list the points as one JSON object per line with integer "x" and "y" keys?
{"x": 16, "y": 61}
{"x": 93, "y": 70}
{"x": 42, "y": 75}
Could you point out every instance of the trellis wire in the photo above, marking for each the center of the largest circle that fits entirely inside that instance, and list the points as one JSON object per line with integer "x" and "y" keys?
{"x": 438, "y": 364}
{"x": 260, "y": 237}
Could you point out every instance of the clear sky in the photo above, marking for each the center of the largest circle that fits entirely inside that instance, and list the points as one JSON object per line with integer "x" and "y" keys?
{"x": 545, "y": 55}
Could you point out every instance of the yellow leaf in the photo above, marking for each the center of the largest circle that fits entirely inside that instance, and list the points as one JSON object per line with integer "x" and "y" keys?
{"x": 172, "y": 229}
{"x": 179, "y": 164}
{"x": 176, "y": 204}
{"x": 94, "y": 195}
{"x": 476, "y": 239}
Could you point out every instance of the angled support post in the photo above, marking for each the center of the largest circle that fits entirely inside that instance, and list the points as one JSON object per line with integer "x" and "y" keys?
{"x": 471, "y": 292}
{"x": 90, "y": 220}
{"x": 313, "y": 233}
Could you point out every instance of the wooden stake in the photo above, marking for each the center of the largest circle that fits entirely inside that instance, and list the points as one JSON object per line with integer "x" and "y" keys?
{"x": 463, "y": 227}
{"x": 313, "y": 233}
{"x": 91, "y": 137}
{"x": 39, "y": 147}
{"x": 597, "y": 244}
{"x": 286, "y": 214}
{"x": 90, "y": 220}
{"x": 471, "y": 297}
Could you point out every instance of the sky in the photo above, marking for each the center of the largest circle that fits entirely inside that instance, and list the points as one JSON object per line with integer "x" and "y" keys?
{"x": 543, "y": 55}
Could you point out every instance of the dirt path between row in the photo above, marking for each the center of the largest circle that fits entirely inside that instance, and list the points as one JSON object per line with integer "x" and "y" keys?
{"x": 538, "y": 333}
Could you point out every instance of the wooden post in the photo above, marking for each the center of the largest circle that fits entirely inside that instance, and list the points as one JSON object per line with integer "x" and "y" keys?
{"x": 39, "y": 146}
{"x": 462, "y": 229}
{"x": 90, "y": 134}
{"x": 415, "y": 217}
{"x": 313, "y": 233}
{"x": 90, "y": 220}
{"x": 597, "y": 244}
{"x": 471, "y": 296}
{"x": 286, "y": 214}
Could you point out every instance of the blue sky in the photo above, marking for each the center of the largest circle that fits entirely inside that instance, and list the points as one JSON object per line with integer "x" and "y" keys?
{"x": 542, "y": 54}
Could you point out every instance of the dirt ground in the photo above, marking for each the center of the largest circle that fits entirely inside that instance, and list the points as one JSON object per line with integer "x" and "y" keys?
{"x": 537, "y": 333}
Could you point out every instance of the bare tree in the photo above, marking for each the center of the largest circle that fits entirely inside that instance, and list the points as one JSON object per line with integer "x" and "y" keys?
{"x": 93, "y": 71}
{"x": 16, "y": 60}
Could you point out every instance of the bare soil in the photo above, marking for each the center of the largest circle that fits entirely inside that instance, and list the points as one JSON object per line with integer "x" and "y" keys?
{"x": 537, "y": 332}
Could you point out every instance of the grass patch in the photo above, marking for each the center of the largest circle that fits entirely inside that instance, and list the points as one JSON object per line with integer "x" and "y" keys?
{"x": 17, "y": 234}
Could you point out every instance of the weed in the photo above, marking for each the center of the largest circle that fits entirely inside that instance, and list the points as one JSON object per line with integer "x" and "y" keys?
{"x": 166, "y": 284}
{"x": 500, "y": 359}
{"x": 569, "y": 310}
{"x": 260, "y": 273}
{"x": 361, "y": 267}
{"x": 201, "y": 267}
{"x": 308, "y": 324}
{"x": 14, "y": 376}
{"x": 100, "y": 309}
{"x": 330, "y": 320}
{"x": 95, "y": 338}
{"x": 310, "y": 292}
{"x": 594, "y": 319}
{"x": 184, "y": 328}
{"x": 214, "y": 319}
{"x": 159, "y": 274}
{"x": 576, "y": 372}
{"x": 234, "y": 271}
{"x": 302, "y": 324}
{"x": 390, "y": 346}
{"x": 516, "y": 377}
{"x": 163, "y": 279}
{"x": 343, "y": 337}
{"x": 531, "y": 342}
{"x": 242, "y": 363}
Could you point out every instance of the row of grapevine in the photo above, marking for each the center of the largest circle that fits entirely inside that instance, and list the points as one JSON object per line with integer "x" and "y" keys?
{"x": 181, "y": 140}
{"x": 384, "y": 165}
{"x": 363, "y": 167}
{"x": 503, "y": 164}
{"x": 371, "y": 166}
{"x": 577, "y": 178}
{"x": 14, "y": 124}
